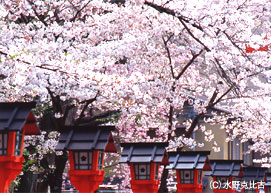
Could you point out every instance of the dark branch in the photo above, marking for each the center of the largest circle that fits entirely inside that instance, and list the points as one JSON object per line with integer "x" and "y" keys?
{"x": 192, "y": 35}
{"x": 40, "y": 17}
{"x": 55, "y": 101}
{"x": 182, "y": 19}
{"x": 211, "y": 104}
{"x": 168, "y": 54}
{"x": 235, "y": 45}
{"x": 213, "y": 98}
{"x": 87, "y": 102}
{"x": 224, "y": 75}
{"x": 171, "y": 12}
{"x": 79, "y": 11}
{"x": 221, "y": 97}
{"x": 188, "y": 64}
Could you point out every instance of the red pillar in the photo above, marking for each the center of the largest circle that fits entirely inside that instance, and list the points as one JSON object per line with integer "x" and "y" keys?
{"x": 86, "y": 180}
{"x": 10, "y": 165}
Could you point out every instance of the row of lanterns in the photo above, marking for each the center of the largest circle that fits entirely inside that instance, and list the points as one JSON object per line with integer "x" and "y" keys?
{"x": 86, "y": 147}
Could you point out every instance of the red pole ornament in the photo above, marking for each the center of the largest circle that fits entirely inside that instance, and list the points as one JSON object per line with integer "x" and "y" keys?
{"x": 144, "y": 160}
{"x": 16, "y": 121}
{"x": 86, "y": 146}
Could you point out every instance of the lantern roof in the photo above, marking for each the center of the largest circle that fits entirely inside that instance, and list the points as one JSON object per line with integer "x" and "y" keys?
{"x": 226, "y": 168}
{"x": 184, "y": 160}
{"x": 14, "y": 116}
{"x": 87, "y": 138}
{"x": 144, "y": 153}
{"x": 253, "y": 173}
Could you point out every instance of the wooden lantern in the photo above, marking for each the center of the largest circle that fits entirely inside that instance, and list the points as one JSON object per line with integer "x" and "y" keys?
{"x": 189, "y": 168}
{"x": 253, "y": 174}
{"x": 86, "y": 146}
{"x": 225, "y": 172}
{"x": 16, "y": 121}
{"x": 144, "y": 160}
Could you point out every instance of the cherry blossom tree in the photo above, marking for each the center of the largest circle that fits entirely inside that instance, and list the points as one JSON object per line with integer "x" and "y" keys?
{"x": 91, "y": 59}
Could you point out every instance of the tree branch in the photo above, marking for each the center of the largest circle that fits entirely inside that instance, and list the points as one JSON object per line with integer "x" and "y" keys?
{"x": 181, "y": 19}
{"x": 168, "y": 54}
{"x": 79, "y": 11}
{"x": 224, "y": 76}
{"x": 40, "y": 17}
{"x": 88, "y": 102}
{"x": 235, "y": 45}
{"x": 55, "y": 101}
{"x": 188, "y": 64}
{"x": 220, "y": 98}
{"x": 171, "y": 12}
{"x": 192, "y": 35}
{"x": 210, "y": 105}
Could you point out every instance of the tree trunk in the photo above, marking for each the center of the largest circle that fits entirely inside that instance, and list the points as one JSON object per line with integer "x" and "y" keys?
{"x": 163, "y": 186}
{"x": 27, "y": 182}
{"x": 55, "y": 178}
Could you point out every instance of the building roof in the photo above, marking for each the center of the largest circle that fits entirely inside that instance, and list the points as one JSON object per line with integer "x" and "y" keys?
{"x": 144, "y": 152}
{"x": 226, "y": 168}
{"x": 253, "y": 173}
{"x": 18, "y": 115}
{"x": 87, "y": 138}
{"x": 189, "y": 160}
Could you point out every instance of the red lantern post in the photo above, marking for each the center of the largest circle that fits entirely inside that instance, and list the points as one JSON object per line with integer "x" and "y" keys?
{"x": 189, "y": 168}
{"x": 144, "y": 160}
{"x": 224, "y": 172}
{"x": 253, "y": 175}
{"x": 86, "y": 147}
{"x": 16, "y": 121}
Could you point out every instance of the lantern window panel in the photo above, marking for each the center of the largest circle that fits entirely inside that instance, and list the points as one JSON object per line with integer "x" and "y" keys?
{"x": 142, "y": 171}
{"x": 224, "y": 181}
{"x": 100, "y": 160}
{"x": 187, "y": 176}
{"x": 3, "y": 143}
{"x": 18, "y": 143}
{"x": 83, "y": 160}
